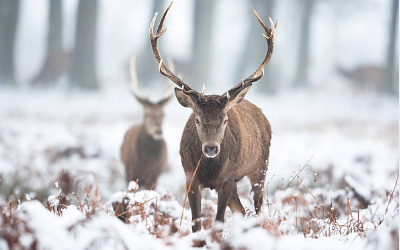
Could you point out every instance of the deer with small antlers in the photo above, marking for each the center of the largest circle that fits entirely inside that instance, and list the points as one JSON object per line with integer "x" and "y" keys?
{"x": 231, "y": 133}
{"x": 143, "y": 151}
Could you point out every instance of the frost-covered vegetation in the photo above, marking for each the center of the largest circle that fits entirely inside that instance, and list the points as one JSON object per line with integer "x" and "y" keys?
{"x": 331, "y": 181}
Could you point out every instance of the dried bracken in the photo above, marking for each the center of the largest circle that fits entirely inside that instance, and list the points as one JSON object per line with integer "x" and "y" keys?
{"x": 15, "y": 231}
{"x": 303, "y": 212}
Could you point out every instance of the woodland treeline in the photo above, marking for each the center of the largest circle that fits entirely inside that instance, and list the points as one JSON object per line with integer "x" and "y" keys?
{"x": 79, "y": 63}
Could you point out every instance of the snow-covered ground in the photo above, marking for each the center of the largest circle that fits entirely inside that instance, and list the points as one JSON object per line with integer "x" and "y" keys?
{"x": 346, "y": 142}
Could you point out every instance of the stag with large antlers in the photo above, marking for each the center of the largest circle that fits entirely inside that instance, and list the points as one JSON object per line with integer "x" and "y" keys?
{"x": 232, "y": 133}
{"x": 143, "y": 151}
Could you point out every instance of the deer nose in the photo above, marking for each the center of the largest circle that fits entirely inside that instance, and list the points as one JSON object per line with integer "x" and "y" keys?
{"x": 211, "y": 151}
{"x": 158, "y": 135}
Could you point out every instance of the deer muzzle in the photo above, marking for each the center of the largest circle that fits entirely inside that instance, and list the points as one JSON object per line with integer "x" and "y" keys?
{"x": 158, "y": 135}
{"x": 210, "y": 149}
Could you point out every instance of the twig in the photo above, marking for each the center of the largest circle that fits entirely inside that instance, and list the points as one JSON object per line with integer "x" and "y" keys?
{"x": 155, "y": 197}
{"x": 349, "y": 209}
{"x": 190, "y": 185}
{"x": 81, "y": 204}
{"x": 297, "y": 174}
{"x": 391, "y": 196}
{"x": 123, "y": 213}
{"x": 308, "y": 190}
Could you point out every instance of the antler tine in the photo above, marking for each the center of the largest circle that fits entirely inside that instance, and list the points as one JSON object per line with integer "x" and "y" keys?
{"x": 202, "y": 91}
{"x": 134, "y": 80}
{"x": 269, "y": 36}
{"x": 154, "y": 47}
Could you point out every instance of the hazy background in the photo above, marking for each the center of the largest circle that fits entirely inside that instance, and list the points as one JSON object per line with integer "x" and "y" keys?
{"x": 320, "y": 44}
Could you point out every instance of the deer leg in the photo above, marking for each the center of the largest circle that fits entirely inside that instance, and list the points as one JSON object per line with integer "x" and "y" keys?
{"x": 150, "y": 182}
{"x": 257, "y": 184}
{"x": 129, "y": 173}
{"x": 234, "y": 203}
{"x": 224, "y": 196}
{"x": 195, "y": 204}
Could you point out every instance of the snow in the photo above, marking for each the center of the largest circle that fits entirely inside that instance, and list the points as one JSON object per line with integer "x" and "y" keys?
{"x": 73, "y": 231}
{"x": 353, "y": 183}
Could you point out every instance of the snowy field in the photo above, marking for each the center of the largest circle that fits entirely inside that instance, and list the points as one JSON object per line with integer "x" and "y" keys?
{"x": 331, "y": 178}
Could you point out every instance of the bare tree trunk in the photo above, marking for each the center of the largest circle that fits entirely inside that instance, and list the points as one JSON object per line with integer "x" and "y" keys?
{"x": 301, "y": 79}
{"x": 391, "y": 65}
{"x": 57, "y": 60}
{"x": 83, "y": 72}
{"x": 255, "y": 48}
{"x": 146, "y": 59}
{"x": 204, "y": 12}
{"x": 9, "y": 12}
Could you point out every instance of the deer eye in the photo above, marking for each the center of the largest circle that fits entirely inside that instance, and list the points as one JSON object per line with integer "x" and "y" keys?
{"x": 197, "y": 121}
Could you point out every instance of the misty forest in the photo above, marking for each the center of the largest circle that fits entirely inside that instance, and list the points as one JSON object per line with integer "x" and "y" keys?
{"x": 231, "y": 124}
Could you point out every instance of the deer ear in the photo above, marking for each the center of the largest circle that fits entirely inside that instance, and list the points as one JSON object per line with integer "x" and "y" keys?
{"x": 237, "y": 98}
{"x": 184, "y": 99}
{"x": 142, "y": 100}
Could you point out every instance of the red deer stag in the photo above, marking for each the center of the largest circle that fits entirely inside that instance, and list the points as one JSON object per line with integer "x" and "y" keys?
{"x": 143, "y": 151}
{"x": 232, "y": 133}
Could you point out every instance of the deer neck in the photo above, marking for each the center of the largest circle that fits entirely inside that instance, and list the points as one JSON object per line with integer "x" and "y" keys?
{"x": 147, "y": 144}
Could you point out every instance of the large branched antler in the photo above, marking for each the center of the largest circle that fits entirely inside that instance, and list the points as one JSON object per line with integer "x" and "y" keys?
{"x": 138, "y": 92}
{"x": 162, "y": 67}
{"x": 269, "y": 36}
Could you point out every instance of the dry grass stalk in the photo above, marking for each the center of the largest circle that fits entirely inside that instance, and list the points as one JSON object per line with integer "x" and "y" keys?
{"x": 81, "y": 205}
{"x": 331, "y": 225}
{"x": 300, "y": 170}
{"x": 390, "y": 199}
{"x": 190, "y": 186}
{"x": 332, "y": 218}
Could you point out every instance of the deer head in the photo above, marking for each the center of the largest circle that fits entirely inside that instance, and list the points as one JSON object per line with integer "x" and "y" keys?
{"x": 210, "y": 111}
{"x": 153, "y": 111}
